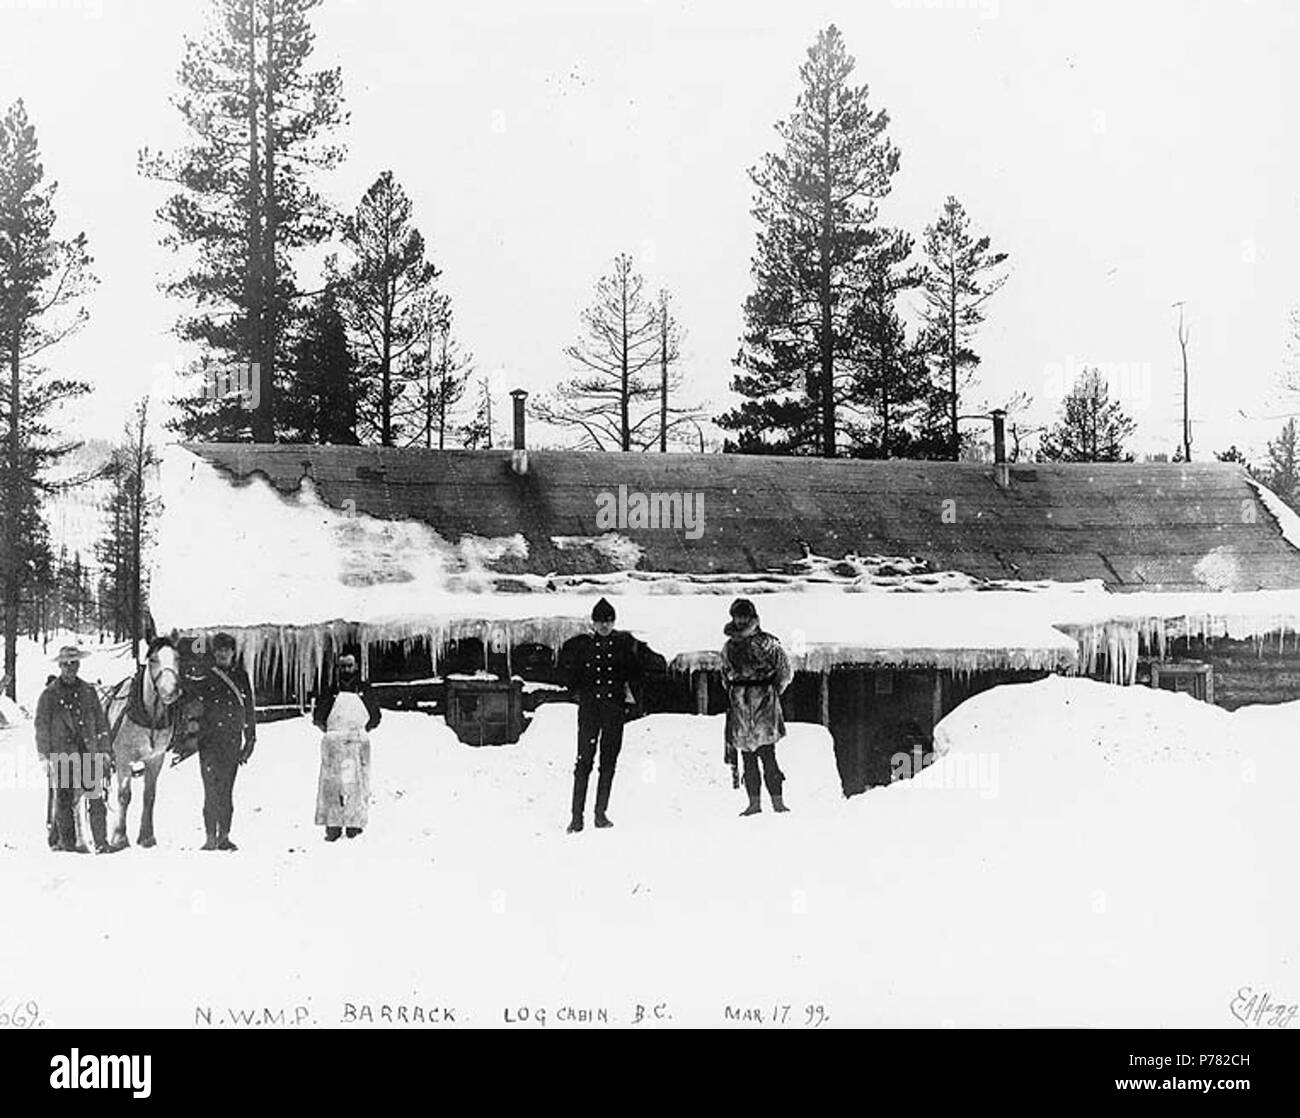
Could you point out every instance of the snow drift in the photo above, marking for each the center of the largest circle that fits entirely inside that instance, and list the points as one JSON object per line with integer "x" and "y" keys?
{"x": 1124, "y": 860}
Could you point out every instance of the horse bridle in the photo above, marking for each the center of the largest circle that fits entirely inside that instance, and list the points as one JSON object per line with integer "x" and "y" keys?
{"x": 154, "y": 678}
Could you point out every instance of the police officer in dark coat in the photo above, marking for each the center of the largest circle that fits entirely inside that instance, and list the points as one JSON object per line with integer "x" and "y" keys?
{"x": 227, "y": 734}
{"x": 600, "y": 667}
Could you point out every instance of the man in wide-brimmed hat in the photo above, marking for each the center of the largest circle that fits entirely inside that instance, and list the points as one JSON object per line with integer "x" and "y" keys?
{"x": 600, "y": 667}
{"x": 756, "y": 671}
{"x": 72, "y": 738}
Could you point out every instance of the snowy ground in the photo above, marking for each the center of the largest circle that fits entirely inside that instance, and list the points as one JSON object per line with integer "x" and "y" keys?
{"x": 1083, "y": 855}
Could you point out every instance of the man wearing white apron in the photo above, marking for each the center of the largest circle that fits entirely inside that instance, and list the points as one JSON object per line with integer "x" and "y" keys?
{"x": 346, "y": 712}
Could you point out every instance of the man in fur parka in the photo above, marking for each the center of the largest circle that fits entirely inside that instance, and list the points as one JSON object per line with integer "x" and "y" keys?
{"x": 755, "y": 670}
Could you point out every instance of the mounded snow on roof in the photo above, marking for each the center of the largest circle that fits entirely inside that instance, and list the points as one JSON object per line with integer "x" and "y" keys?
{"x": 289, "y": 575}
{"x": 292, "y": 576}
{"x": 1287, "y": 521}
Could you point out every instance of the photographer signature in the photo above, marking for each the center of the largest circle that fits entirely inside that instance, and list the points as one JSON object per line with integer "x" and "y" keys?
{"x": 1257, "y": 1010}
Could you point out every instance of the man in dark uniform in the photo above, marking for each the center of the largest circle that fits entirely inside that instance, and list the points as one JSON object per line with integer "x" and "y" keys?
{"x": 600, "y": 666}
{"x": 72, "y": 737}
{"x": 227, "y": 734}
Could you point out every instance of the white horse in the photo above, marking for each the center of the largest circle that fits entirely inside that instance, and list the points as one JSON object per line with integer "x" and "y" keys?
{"x": 142, "y": 718}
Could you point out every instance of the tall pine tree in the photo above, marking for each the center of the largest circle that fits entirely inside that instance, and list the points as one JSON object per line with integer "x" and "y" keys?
{"x": 962, "y": 272}
{"x": 439, "y": 385}
{"x": 321, "y": 395}
{"x": 259, "y": 123}
{"x": 816, "y": 205}
{"x": 389, "y": 298}
{"x": 890, "y": 381}
{"x": 43, "y": 282}
{"x": 621, "y": 397}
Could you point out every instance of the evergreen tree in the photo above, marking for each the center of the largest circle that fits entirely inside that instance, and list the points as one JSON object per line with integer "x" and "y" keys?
{"x": 435, "y": 400}
{"x": 1282, "y": 471}
{"x": 258, "y": 122}
{"x": 1092, "y": 427}
{"x": 677, "y": 422}
{"x": 962, "y": 273}
{"x": 613, "y": 401}
{"x": 112, "y": 553}
{"x": 389, "y": 298}
{"x": 815, "y": 203}
{"x": 129, "y": 514}
{"x": 480, "y": 433}
{"x": 891, "y": 382}
{"x": 1232, "y": 454}
{"x": 43, "y": 281}
{"x": 321, "y": 396}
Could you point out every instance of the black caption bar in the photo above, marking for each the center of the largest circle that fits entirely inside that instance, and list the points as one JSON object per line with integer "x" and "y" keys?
{"x": 168, "y": 1067}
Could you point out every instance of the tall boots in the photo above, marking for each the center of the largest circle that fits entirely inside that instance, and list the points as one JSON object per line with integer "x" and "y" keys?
{"x": 98, "y": 812}
{"x": 65, "y": 822}
{"x": 604, "y": 785}
{"x": 771, "y": 775}
{"x": 579, "y": 807}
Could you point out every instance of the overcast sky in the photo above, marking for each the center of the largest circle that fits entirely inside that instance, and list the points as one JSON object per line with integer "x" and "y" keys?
{"x": 1126, "y": 155}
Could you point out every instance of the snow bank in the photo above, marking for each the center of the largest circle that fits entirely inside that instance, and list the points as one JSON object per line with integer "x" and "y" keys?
{"x": 1126, "y": 861}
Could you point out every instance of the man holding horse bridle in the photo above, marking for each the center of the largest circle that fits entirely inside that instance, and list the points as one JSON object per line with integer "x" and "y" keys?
{"x": 73, "y": 740}
{"x": 227, "y": 734}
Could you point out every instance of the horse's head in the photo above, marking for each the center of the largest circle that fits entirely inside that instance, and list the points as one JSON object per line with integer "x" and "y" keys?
{"x": 164, "y": 670}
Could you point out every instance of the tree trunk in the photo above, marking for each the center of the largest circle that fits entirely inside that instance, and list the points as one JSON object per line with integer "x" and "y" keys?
{"x": 625, "y": 421}
{"x": 884, "y": 406}
{"x": 826, "y": 339}
{"x": 264, "y": 415}
{"x": 442, "y": 398}
{"x": 11, "y": 581}
{"x": 952, "y": 358}
{"x": 252, "y": 282}
{"x": 663, "y": 377}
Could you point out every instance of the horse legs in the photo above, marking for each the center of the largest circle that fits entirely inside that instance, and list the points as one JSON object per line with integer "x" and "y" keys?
{"x": 151, "y": 770}
{"x": 119, "y": 841}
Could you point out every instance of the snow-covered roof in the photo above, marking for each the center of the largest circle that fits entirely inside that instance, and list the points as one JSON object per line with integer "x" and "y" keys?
{"x": 1131, "y": 526}
{"x": 294, "y": 575}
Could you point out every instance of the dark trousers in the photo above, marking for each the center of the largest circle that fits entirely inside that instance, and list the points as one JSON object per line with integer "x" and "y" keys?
{"x": 219, "y": 762}
{"x": 62, "y": 828}
{"x": 51, "y": 819}
{"x": 65, "y": 824}
{"x": 773, "y": 777}
{"x": 600, "y": 727}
